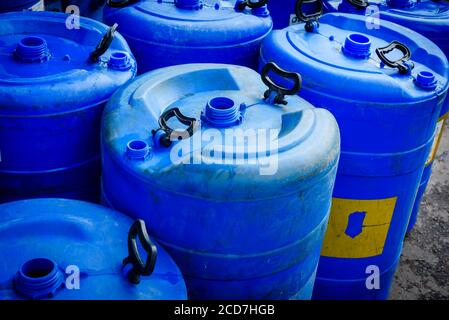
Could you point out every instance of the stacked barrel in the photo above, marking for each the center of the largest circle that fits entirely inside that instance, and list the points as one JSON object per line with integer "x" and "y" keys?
{"x": 242, "y": 163}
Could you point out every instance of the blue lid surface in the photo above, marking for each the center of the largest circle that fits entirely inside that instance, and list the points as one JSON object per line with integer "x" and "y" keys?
{"x": 350, "y": 67}
{"x": 206, "y": 24}
{"x": 45, "y": 66}
{"x": 303, "y": 141}
{"x": 47, "y": 239}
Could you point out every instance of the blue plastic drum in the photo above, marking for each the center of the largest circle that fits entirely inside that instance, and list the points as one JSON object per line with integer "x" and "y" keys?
{"x": 236, "y": 187}
{"x": 71, "y": 250}
{"x": 166, "y": 33}
{"x": 54, "y": 83}
{"x": 386, "y": 87}
{"x": 431, "y": 19}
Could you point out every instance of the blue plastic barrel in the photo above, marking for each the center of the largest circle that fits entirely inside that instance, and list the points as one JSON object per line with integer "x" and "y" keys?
{"x": 86, "y": 8}
{"x": 53, "y": 87}
{"x": 237, "y": 187}
{"x": 386, "y": 88}
{"x": 431, "y": 19}
{"x": 166, "y": 33}
{"x": 20, "y": 5}
{"x": 73, "y": 250}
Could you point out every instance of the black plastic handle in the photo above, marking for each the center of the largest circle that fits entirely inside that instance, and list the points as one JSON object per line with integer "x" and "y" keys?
{"x": 279, "y": 90}
{"x": 359, "y": 4}
{"x": 252, "y": 5}
{"x": 169, "y": 134}
{"x": 400, "y": 64}
{"x": 310, "y": 16}
{"x": 120, "y": 3}
{"x": 140, "y": 268}
{"x": 104, "y": 44}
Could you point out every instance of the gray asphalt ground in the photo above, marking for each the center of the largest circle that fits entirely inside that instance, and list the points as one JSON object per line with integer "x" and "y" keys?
{"x": 423, "y": 272}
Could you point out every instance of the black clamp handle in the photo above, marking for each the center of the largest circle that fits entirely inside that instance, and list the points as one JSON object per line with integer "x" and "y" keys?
{"x": 120, "y": 3}
{"x": 401, "y": 64}
{"x": 359, "y": 4}
{"x": 166, "y": 135}
{"x": 250, "y": 4}
{"x": 280, "y": 91}
{"x": 138, "y": 230}
{"x": 104, "y": 44}
{"x": 310, "y": 19}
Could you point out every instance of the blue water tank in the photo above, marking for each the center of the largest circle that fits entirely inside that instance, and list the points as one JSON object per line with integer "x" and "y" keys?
{"x": 237, "y": 187}
{"x": 54, "y": 83}
{"x": 72, "y": 250}
{"x": 386, "y": 88}
{"x": 431, "y": 19}
{"x": 19, "y": 5}
{"x": 162, "y": 33}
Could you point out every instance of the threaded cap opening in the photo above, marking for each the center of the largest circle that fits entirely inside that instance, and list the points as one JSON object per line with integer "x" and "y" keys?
{"x": 357, "y": 46}
{"x": 120, "y": 60}
{"x": 32, "y": 50}
{"x": 221, "y": 112}
{"x": 137, "y": 150}
{"x": 38, "y": 278}
{"x": 426, "y": 80}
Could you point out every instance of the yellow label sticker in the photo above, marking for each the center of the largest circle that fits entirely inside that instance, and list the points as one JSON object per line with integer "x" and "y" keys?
{"x": 436, "y": 142}
{"x": 358, "y": 228}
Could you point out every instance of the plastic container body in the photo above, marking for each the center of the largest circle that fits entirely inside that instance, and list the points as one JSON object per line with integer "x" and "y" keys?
{"x": 51, "y": 100}
{"x": 72, "y": 250}
{"x": 387, "y": 121}
{"x": 163, "y": 33}
{"x": 429, "y": 18}
{"x": 242, "y": 223}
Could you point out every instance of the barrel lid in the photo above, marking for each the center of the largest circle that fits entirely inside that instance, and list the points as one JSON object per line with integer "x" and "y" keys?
{"x": 46, "y": 241}
{"x": 190, "y": 22}
{"x": 45, "y": 64}
{"x": 234, "y": 130}
{"x": 339, "y": 59}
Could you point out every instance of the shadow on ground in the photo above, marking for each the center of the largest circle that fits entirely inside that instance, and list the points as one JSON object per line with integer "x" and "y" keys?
{"x": 424, "y": 269}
